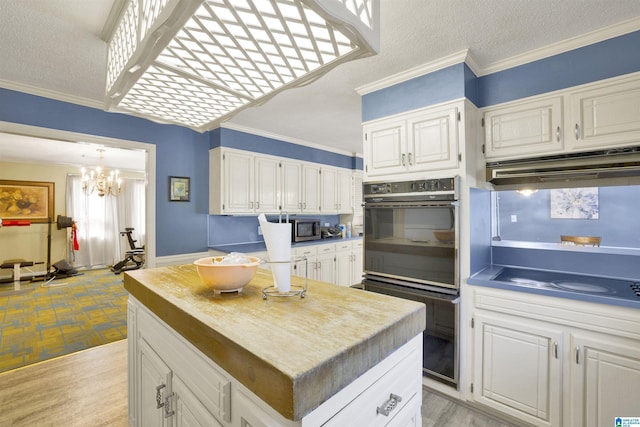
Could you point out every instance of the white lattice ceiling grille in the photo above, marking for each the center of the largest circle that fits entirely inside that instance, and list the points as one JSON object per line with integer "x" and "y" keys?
{"x": 196, "y": 62}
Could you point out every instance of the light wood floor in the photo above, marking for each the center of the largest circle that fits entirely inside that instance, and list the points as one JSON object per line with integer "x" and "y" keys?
{"x": 89, "y": 388}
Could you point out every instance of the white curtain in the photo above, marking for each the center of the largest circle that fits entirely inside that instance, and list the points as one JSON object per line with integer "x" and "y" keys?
{"x": 100, "y": 220}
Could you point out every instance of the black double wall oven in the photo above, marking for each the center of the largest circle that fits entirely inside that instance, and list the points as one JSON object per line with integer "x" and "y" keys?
{"x": 411, "y": 245}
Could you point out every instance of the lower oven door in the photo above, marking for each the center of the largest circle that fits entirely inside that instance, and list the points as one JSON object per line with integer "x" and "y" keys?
{"x": 440, "y": 343}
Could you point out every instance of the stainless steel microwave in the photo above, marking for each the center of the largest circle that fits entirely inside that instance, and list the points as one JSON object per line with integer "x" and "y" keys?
{"x": 303, "y": 230}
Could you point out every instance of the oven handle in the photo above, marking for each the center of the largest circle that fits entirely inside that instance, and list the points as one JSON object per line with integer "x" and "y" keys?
{"x": 440, "y": 204}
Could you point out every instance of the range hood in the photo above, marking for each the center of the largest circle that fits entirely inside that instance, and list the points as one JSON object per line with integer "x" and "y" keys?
{"x": 594, "y": 168}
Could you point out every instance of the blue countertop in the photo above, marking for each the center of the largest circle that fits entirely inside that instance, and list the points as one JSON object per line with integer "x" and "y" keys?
{"x": 624, "y": 295}
{"x": 260, "y": 246}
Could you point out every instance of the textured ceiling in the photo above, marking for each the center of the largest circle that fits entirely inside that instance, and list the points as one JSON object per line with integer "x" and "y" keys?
{"x": 56, "y": 45}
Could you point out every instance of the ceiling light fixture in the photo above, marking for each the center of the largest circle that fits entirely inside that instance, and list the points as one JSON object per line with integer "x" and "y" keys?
{"x": 97, "y": 180}
{"x": 198, "y": 62}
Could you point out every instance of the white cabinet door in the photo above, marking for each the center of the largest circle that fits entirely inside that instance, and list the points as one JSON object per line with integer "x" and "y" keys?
{"x": 345, "y": 191}
{"x": 310, "y": 188}
{"x": 605, "y": 379}
{"x": 605, "y": 116}
{"x": 267, "y": 185}
{"x": 325, "y": 268}
{"x": 153, "y": 378}
{"x": 238, "y": 188}
{"x": 328, "y": 189}
{"x": 432, "y": 141}
{"x": 188, "y": 410}
{"x": 384, "y": 148}
{"x": 291, "y": 198}
{"x": 524, "y": 129}
{"x": 518, "y": 368}
{"x": 357, "y": 262}
{"x": 344, "y": 268}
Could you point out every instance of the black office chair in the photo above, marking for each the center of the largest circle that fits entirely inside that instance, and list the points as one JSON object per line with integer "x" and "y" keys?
{"x": 134, "y": 257}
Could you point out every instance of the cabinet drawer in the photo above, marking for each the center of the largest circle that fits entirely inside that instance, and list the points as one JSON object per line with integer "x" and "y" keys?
{"x": 400, "y": 384}
{"x": 307, "y": 251}
{"x": 344, "y": 246}
{"x": 325, "y": 249}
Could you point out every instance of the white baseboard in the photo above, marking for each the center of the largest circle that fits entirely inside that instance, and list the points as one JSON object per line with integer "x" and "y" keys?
{"x": 163, "y": 261}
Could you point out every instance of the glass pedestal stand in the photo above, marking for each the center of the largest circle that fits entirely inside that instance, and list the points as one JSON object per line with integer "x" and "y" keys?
{"x": 295, "y": 290}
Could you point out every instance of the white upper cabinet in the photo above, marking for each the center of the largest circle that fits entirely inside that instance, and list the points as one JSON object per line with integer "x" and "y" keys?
{"x": 384, "y": 148}
{"x": 596, "y": 116}
{"x": 433, "y": 139}
{"x": 238, "y": 182}
{"x": 329, "y": 186}
{"x": 267, "y": 184}
{"x": 242, "y": 182}
{"x": 291, "y": 186}
{"x": 310, "y": 188}
{"x": 529, "y": 128}
{"x": 607, "y": 115}
{"x": 421, "y": 141}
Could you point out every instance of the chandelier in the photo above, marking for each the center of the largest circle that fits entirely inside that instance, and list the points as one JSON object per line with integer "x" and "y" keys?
{"x": 198, "y": 62}
{"x": 97, "y": 180}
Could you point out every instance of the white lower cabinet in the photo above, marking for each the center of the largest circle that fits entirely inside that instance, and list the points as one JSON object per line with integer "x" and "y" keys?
{"x": 554, "y": 362}
{"x": 518, "y": 371}
{"x": 349, "y": 263}
{"x": 605, "y": 379}
{"x": 338, "y": 263}
{"x": 172, "y": 384}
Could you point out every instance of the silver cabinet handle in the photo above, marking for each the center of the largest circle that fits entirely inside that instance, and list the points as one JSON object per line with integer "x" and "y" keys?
{"x": 159, "y": 402}
{"x": 555, "y": 349}
{"x": 257, "y": 205}
{"x": 558, "y": 134}
{"x": 404, "y": 163}
{"x": 409, "y": 159}
{"x": 577, "y": 355}
{"x": 577, "y": 132}
{"x": 389, "y": 405}
{"x": 167, "y": 406}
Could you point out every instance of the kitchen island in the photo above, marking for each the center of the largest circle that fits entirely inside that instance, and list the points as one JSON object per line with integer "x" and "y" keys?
{"x": 237, "y": 359}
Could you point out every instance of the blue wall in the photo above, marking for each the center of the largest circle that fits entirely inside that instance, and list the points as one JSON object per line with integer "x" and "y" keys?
{"x": 610, "y": 58}
{"x": 181, "y": 227}
{"x": 617, "y": 221}
{"x": 261, "y": 144}
{"x": 229, "y": 230}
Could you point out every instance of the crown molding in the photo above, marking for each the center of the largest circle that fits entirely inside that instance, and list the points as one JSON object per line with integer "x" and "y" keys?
{"x": 52, "y": 94}
{"x": 567, "y": 45}
{"x": 258, "y": 132}
{"x": 478, "y": 69}
{"x": 414, "y": 72}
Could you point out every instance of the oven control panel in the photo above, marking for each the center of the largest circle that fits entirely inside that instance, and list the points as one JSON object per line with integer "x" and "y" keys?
{"x": 423, "y": 186}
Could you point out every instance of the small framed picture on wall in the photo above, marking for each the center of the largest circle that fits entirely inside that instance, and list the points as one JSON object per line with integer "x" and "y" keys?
{"x": 178, "y": 189}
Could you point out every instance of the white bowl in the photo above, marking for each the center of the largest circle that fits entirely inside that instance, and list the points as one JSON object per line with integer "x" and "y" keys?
{"x": 226, "y": 277}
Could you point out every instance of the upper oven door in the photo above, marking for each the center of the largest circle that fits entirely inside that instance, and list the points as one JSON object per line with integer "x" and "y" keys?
{"x": 412, "y": 241}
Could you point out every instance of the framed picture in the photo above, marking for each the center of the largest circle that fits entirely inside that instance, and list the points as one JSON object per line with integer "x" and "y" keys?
{"x": 574, "y": 203}
{"x": 26, "y": 200}
{"x": 178, "y": 189}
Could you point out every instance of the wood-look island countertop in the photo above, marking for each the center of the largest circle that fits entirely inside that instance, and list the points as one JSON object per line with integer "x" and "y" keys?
{"x": 294, "y": 353}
